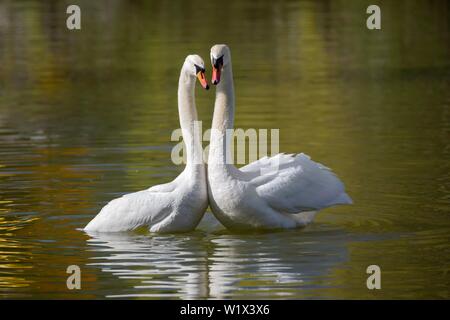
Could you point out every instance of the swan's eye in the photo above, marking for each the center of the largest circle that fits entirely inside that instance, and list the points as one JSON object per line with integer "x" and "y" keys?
{"x": 198, "y": 69}
{"x": 217, "y": 63}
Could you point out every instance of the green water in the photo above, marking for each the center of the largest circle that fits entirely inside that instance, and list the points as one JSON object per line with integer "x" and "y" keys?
{"x": 86, "y": 116}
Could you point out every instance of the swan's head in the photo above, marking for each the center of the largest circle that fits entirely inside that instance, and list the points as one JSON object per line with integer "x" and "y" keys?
{"x": 220, "y": 57}
{"x": 195, "y": 66}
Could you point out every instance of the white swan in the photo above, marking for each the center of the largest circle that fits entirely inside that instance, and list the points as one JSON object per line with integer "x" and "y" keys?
{"x": 176, "y": 206}
{"x": 284, "y": 191}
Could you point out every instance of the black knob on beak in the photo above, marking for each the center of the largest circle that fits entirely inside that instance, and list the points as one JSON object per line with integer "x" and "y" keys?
{"x": 217, "y": 63}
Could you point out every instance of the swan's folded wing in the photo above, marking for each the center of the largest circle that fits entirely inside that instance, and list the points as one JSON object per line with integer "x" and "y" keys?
{"x": 268, "y": 166}
{"x": 166, "y": 187}
{"x": 132, "y": 211}
{"x": 299, "y": 184}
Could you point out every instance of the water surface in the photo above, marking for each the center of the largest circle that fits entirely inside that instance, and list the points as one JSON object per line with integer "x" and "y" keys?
{"x": 86, "y": 116}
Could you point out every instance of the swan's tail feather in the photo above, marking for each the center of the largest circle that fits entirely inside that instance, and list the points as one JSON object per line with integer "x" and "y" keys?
{"x": 343, "y": 198}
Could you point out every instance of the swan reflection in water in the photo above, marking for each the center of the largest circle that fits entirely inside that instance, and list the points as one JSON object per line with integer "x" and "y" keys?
{"x": 206, "y": 264}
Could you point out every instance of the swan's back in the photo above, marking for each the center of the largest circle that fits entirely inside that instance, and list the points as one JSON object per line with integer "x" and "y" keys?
{"x": 295, "y": 183}
{"x": 132, "y": 211}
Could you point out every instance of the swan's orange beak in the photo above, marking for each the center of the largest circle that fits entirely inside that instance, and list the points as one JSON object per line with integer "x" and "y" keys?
{"x": 215, "y": 76}
{"x": 202, "y": 79}
{"x": 217, "y": 65}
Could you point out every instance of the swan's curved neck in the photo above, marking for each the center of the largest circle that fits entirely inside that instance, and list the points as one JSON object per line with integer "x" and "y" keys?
{"x": 189, "y": 122}
{"x": 224, "y": 106}
{"x": 223, "y": 119}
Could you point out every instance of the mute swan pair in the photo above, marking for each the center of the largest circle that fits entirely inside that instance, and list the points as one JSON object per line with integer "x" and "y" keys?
{"x": 283, "y": 191}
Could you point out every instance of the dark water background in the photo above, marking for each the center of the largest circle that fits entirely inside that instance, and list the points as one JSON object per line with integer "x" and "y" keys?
{"x": 86, "y": 116}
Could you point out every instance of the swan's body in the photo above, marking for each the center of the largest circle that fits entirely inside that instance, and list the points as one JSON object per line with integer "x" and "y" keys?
{"x": 178, "y": 205}
{"x": 283, "y": 191}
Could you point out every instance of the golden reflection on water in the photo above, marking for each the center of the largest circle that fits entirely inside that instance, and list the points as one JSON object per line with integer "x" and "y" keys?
{"x": 87, "y": 116}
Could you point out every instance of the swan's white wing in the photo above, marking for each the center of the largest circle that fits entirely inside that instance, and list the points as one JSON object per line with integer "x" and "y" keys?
{"x": 266, "y": 165}
{"x": 132, "y": 210}
{"x": 166, "y": 187}
{"x": 292, "y": 184}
